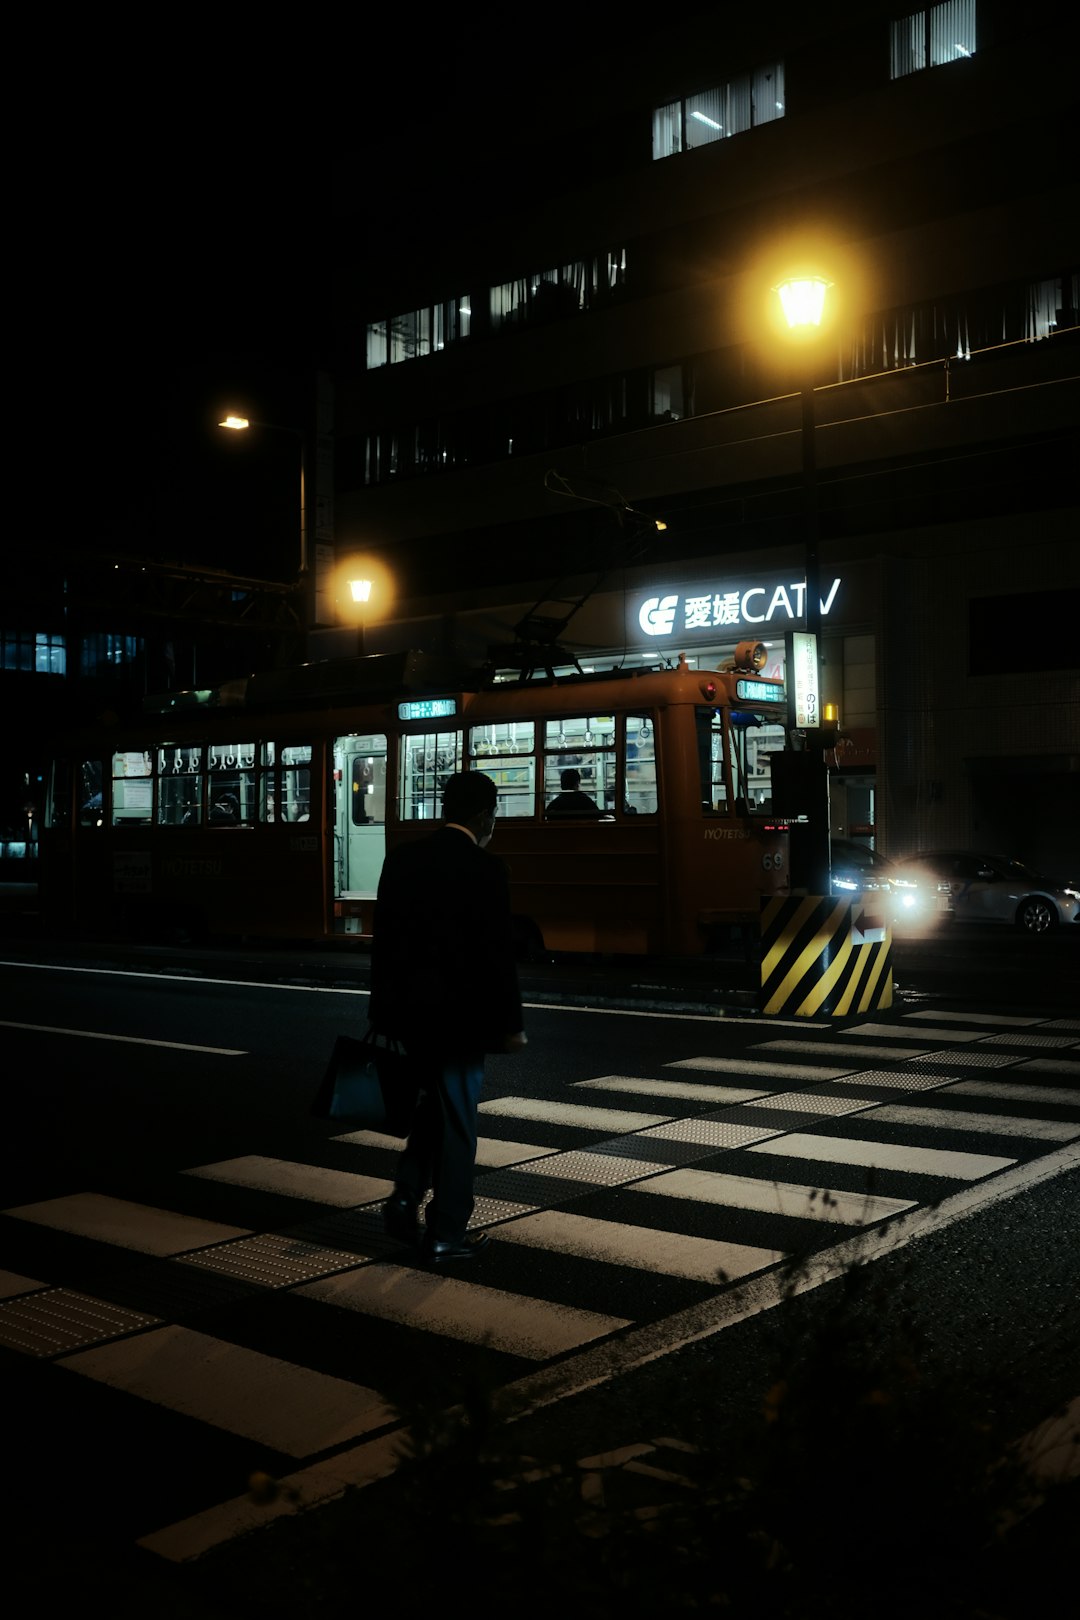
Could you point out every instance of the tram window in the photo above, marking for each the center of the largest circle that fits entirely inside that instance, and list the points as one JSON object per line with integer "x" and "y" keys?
{"x": 710, "y": 743}
{"x": 132, "y": 788}
{"x": 585, "y": 744}
{"x": 231, "y": 784}
{"x": 296, "y": 782}
{"x": 91, "y": 778}
{"x": 425, "y": 762}
{"x": 640, "y": 766}
{"x": 505, "y": 753}
{"x": 180, "y": 784}
{"x": 269, "y": 789}
{"x": 761, "y": 744}
{"x": 367, "y": 782}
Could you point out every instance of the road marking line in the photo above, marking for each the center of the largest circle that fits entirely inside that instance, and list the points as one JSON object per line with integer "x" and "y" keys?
{"x": 683, "y": 1091}
{"x": 127, "y": 1225}
{"x": 533, "y": 1328}
{"x": 192, "y": 978}
{"x": 806, "y": 1073}
{"x": 12, "y": 1283}
{"x": 133, "y": 1040}
{"x": 975, "y": 1018}
{"x": 293, "y": 1409}
{"x": 775, "y": 1197}
{"x": 676, "y": 1254}
{"x": 899, "y": 1033}
{"x": 493, "y": 1154}
{"x": 341, "y": 1188}
{"x": 1018, "y": 1093}
{"x": 837, "y": 1049}
{"x": 609, "y": 1120}
{"x": 1043, "y": 1130}
{"x": 884, "y": 1156}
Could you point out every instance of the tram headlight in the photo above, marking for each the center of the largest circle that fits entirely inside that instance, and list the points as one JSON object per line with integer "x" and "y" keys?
{"x": 751, "y": 656}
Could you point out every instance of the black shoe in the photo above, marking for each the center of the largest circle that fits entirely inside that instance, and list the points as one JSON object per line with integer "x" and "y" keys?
{"x": 440, "y": 1250}
{"x": 399, "y": 1219}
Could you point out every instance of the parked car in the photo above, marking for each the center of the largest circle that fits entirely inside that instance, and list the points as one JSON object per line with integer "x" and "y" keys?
{"x": 993, "y": 889}
{"x": 906, "y": 899}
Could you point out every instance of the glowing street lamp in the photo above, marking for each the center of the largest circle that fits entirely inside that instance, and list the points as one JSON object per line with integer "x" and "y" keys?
{"x": 802, "y": 299}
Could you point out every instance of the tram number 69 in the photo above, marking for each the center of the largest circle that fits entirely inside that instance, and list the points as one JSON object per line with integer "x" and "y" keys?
{"x": 772, "y": 863}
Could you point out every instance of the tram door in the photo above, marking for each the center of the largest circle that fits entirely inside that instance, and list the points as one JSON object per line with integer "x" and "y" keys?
{"x": 359, "y": 816}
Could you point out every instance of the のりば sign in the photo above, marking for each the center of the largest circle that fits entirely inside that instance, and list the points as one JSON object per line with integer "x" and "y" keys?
{"x": 676, "y": 612}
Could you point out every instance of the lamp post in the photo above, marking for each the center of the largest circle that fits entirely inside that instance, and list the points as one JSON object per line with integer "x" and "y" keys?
{"x": 240, "y": 424}
{"x": 802, "y": 299}
{"x": 360, "y": 591}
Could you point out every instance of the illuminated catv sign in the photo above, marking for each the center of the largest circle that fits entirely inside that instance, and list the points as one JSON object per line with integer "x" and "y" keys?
{"x": 676, "y": 613}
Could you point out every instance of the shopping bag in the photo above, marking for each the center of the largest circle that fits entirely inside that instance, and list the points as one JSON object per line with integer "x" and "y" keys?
{"x": 370, "y": 1083}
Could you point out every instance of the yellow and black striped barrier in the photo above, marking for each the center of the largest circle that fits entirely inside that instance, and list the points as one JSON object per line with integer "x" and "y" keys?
{"x": 824, "y": 957}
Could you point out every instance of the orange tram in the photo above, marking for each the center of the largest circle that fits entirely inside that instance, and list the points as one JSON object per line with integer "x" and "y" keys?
{"x": 264, "y": 808}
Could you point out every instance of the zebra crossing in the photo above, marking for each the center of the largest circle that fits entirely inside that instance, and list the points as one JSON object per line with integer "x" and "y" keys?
{"x": 261, "y": 1313}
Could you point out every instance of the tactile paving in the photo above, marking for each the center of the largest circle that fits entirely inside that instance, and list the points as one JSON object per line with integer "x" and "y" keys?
{"x": 601, "y": 1169}
{"x": 272, "y": 1260}
{"x": 59, "y": 1320}
{"x": 897, "y": 1082}
{"x": 1026, "y": 1039}
{"x": 969, "y": 1060}
{"x": 804, "y": 1102}
{"x": 713, "y": 1133}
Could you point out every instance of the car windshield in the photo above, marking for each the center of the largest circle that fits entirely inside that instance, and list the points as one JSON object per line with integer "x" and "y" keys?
{"x": 858, "y": 856}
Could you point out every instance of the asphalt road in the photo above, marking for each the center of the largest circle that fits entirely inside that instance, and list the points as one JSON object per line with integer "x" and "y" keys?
{"x": 973, "y": 1324}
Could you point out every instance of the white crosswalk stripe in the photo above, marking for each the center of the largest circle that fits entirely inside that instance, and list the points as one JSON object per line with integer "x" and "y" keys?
{"x": 536, "y": 1329}
{"x": 291, "y": 1408}
{"x": 310, "y": 1181}
{"x": 774, "y": 1197}
{"x": 610, "y": 1120}
{"x": 675, "y": 1253}
{"x": 675, "y": 1090}
{"x": 753, "y": 1068}
{"x": 128, "y": 1225}
{"x": 885, "y": 1156}
{"x": 1046, "y": 1130}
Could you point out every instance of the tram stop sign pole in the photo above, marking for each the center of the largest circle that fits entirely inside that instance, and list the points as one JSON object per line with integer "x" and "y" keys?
{"x": 804, "y": 785}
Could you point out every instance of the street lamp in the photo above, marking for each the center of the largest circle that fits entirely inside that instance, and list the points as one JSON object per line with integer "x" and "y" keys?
{"x": 802, "y": 299}
{"x": 240, "y": 424}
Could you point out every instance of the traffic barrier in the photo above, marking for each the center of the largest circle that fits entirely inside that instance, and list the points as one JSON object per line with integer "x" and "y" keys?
{"x": 821, "y": 956}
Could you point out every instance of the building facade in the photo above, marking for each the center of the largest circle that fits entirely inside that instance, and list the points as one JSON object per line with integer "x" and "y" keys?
{"x": 516, "y": 408}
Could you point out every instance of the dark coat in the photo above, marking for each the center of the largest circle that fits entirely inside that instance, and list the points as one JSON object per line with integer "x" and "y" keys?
{"x": 572, "y": 802}
{"x": 443, "y": 973}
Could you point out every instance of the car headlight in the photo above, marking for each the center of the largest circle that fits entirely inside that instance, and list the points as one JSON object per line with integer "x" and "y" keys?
{"x": 844, "y": 883}
{"x": 1073, "y": 894}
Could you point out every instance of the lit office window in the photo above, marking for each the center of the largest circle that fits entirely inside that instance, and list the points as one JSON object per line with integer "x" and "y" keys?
{"x": 378, "y": 345}
{"x": 713, "y": 115}
{"x": 38, "y": 652}
{"x": 944, "y": 33}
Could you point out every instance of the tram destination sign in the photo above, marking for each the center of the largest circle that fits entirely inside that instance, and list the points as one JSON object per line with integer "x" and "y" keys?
{"x": 427, "y": 709}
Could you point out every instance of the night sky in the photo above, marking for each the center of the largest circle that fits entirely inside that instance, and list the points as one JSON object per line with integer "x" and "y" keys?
{"x": 186, "y": 235}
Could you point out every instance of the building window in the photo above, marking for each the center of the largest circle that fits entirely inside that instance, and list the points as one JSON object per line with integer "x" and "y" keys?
{"x": 39, "y": 652}
{"x": 565, "y": 289}
{"x": 667, "y": 394}
{"x": 713, "y": 115}
{"x": 107, "y": 654}
{"x": 943, "y": 33}
{"x": 417, "y": 332}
